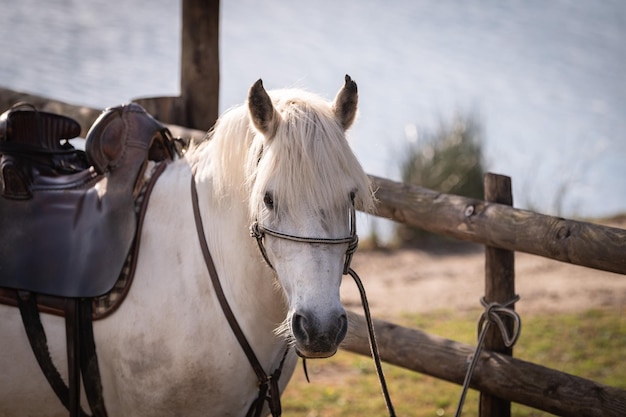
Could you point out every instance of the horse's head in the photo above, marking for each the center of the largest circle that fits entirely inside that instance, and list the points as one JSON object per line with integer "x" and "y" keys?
{"x": 304, "y": 183}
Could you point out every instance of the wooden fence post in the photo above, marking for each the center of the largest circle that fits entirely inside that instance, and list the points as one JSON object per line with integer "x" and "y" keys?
{"x": 499, "y": 288}
{"x": 197, "y": 106}
{"x": 200, "y": 69}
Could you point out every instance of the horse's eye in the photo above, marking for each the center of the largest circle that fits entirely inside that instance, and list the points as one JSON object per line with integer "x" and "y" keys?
{"x": 268, "y": 200}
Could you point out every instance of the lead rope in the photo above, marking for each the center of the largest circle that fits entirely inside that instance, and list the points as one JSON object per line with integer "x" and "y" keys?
{"x": 492, "y": 314}
{"x": 372, "y": 340}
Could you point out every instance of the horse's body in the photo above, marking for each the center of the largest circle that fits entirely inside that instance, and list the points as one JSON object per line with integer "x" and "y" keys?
{"x": 168, "y": 350}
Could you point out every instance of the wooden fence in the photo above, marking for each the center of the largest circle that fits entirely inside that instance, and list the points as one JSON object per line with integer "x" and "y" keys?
{"x": 502, "y": 229}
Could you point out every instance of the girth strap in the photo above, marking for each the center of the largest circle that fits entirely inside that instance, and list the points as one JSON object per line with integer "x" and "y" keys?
{"x": 81, "y": 354}
{"x": 268, "y": 385}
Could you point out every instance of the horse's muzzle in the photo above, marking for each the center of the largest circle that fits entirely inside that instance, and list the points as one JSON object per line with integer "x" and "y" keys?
{"x": 317, "y": 339}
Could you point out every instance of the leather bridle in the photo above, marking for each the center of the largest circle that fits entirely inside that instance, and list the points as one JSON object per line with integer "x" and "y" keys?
{"x": 258, "y": 231}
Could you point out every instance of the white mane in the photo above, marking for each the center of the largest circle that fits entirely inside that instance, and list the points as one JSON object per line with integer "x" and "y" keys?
{"x": 307, "y": 162}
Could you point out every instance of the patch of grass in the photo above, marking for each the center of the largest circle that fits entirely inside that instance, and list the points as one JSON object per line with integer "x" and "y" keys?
{"x": 589, "y": 344}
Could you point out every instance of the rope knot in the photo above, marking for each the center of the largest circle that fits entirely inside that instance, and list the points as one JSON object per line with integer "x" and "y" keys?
{"x": 495, "y": 313}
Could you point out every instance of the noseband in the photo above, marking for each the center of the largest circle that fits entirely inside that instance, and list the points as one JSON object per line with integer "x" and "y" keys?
{"x": 258, "y": 231}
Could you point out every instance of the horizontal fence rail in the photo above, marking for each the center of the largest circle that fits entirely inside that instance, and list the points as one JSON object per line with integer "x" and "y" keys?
{"x": 501, "y": 226}
{"x": 496, "y": 374}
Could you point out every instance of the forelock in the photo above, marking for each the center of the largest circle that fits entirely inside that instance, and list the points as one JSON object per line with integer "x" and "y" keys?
{"x": 308, "y": 161}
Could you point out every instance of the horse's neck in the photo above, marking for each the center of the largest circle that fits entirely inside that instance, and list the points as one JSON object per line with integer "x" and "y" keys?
{"x": 171, "y": 313}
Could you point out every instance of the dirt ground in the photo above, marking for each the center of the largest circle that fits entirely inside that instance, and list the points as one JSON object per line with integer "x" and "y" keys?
{"x": 410, "y": 280}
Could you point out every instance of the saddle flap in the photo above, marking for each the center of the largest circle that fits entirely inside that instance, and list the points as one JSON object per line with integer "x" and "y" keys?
{"x": 69, "y": 243}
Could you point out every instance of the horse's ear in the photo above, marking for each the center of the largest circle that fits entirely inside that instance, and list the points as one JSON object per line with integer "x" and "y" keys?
{"x": 262, "y": 112}
{"x": 345, "y": 103}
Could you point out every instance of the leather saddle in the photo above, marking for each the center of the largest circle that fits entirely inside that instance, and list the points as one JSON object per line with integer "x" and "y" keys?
{"x": 67, "y": 216}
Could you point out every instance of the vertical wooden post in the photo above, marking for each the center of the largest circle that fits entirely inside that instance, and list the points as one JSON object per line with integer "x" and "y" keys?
{"x": 200, "y": 72}
{"x": 197, "y": 106}
{"x": 499, "y": 288}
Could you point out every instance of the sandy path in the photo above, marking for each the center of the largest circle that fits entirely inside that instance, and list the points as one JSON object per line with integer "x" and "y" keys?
{"x": 415, "y": 281}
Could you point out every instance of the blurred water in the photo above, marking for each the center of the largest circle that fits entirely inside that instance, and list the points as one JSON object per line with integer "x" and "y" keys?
{"x": 546, "y": 78}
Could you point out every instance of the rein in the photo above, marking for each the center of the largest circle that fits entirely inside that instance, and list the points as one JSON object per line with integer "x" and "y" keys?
{"x": 268, "y": 384}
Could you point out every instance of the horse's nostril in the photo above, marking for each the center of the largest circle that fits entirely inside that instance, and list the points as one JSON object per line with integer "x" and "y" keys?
{"x": 343, "y": 329}
{"x": 298, "y": 326}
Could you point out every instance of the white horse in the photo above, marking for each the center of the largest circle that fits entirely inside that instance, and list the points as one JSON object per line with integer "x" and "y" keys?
{"x": 282, "y": 160}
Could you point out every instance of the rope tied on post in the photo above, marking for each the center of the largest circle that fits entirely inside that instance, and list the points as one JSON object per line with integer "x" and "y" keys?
{"x": 494, "y": 313}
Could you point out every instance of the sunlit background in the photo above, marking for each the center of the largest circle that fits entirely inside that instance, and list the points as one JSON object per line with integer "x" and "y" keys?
{"x": 547, "y": 80}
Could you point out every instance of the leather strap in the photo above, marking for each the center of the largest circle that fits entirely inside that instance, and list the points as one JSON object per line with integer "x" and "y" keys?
{"x": 268, "y": 385}
{"x": 89, "y": 368}
{"x": 72, "y": 335}
{"x": 39, "y": 343}
{"x": 81, "y": 354}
